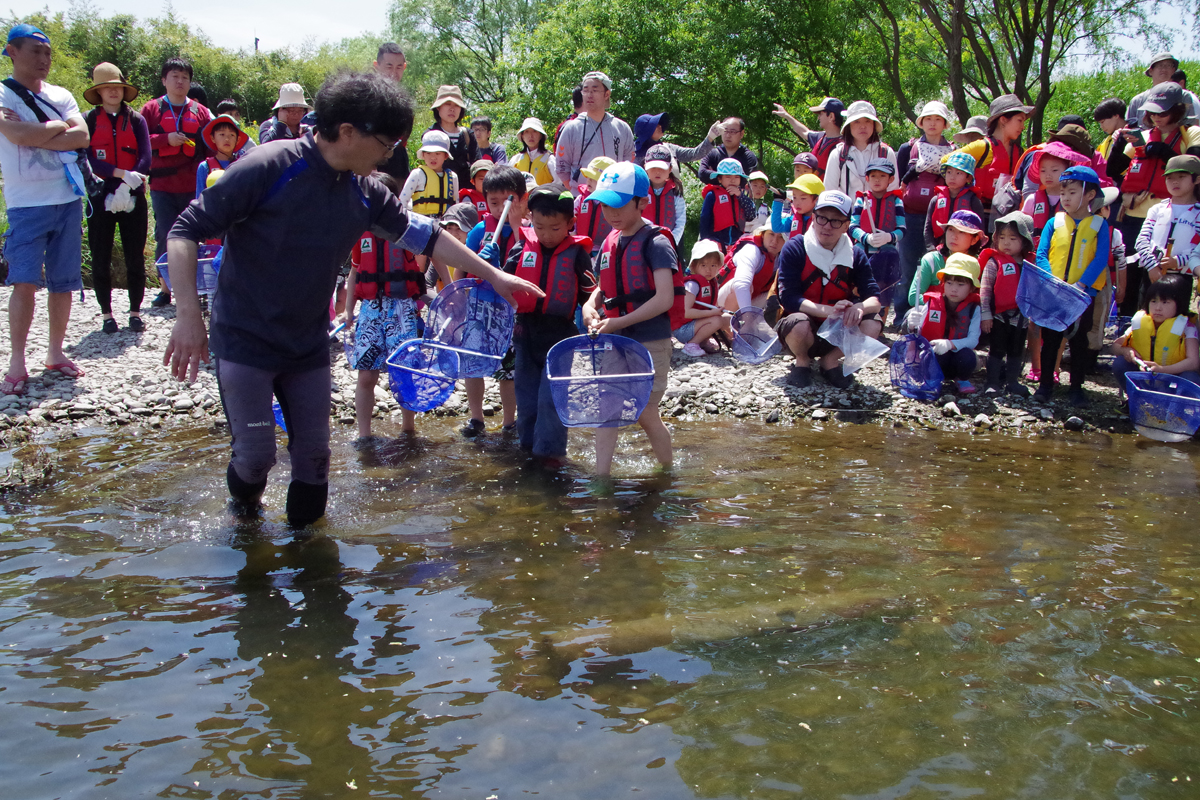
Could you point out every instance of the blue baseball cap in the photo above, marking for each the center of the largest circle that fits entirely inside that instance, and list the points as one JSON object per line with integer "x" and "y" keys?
{"x": 27, "y": 31}
{"x": 620, "y": 183}
{"x": 1081, "y": 174}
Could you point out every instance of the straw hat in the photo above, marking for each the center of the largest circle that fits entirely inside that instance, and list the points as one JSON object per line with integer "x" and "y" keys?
{"x": 449, "y": 94}
{"x": 291, "y": 95}
{"x": 106, "y": 74}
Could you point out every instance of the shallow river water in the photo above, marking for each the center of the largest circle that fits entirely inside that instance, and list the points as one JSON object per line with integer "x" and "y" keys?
{"x": 851, "y": 612}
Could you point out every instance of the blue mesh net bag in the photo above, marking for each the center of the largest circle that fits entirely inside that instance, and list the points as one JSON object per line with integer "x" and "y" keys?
{"x": 754, "y": 341}
{"x": 1048, "y": 301}
{"x": 469, "y": 318}
{"x": 278, "y": 412}
{"x": 207, "y": 267}
{"x": 422, "y": 375}
{"x": 914, "y": 368}
{"x": 1165, "y": 408}
{"x": 599, "y": 382}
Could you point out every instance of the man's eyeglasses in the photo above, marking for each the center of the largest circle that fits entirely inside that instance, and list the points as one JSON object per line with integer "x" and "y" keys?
{"x": 826, "y": 222}
{"x": 389, "y": 147}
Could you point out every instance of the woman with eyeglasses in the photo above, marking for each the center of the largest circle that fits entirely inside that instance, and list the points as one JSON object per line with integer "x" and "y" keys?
{"x": 822, "y": 275}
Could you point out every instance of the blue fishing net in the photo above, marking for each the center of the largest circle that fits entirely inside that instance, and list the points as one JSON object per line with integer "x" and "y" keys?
{"x": 207, "y": 267}
{"x": 754, "y": 341}
{"x": 421, "y": 375}
{"x": 1049, "y": 302}
{"x": 599, "y": 382}
{"x": 914, "y": 368}
{"x": 1163, "y": 407}
{"x": 470, "y": 318}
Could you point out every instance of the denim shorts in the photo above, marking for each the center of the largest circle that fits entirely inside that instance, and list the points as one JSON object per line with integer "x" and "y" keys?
{"x": 686, "y": 332}
{"x": 44, "y": 246}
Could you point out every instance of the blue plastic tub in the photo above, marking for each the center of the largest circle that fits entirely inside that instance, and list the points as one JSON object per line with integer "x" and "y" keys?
{"x": 421, "y": 375}
{"x": 1049, "y": 302}
{"x": 599, "y": 382}
{"x": 754, "y": 341}
{"x": 207, "y": 267}
{"x": 472, "y": 320}
{"x": 1165, "y": 408}
{"x": 914, "y": 368}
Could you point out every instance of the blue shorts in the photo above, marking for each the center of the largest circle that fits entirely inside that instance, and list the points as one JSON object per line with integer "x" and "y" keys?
{"x": 380, "y": 327}
{"x": 685, "y": 332}
{"x": 44, "y": 246}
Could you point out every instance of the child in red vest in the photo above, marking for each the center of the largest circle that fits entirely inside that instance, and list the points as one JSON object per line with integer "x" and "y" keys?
{"x": 721, "y": 214}
{"x": 1002, "y": 321}
{"x": 560, "y": 263}
{"x": 589, "y": 221}
{"x": 1048, "y": 164}
{"x": 951, "y": 321}
{"x": 877, "y": 225}
{"x": 224, "y": 139}
{"x": 805, "y": 190}
{"x": 667, "y": 207}
{"x": 473, "y": 194}
{"x": 958, "y": 194}
{"x": 638, "y": 268}
{"x": 387, "y": 280}
{"x": 701, "y": 287}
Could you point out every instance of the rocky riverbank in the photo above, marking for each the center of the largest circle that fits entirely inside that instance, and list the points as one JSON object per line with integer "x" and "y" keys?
{"x": 126, "y": 385}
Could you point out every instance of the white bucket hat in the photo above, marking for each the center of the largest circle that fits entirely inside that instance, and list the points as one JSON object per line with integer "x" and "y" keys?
{"x": 531, "y": 124}
{"x": 435, "y": 142}
{"x": 861, "y": 109}
{"x": 291, "y": 95}
{"x": 935, "y": 108}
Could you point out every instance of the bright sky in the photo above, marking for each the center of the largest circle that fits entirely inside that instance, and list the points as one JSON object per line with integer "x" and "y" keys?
{"x": 235, "y": 23}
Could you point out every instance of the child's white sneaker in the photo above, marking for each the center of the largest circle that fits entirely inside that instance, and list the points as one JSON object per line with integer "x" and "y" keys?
{"x": 692, "y": 349}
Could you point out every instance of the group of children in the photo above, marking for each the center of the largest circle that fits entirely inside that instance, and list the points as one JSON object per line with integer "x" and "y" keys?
{"x": 946, "y": 239}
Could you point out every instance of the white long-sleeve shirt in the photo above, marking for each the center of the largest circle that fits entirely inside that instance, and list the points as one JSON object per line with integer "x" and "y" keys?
{"x": 746, "y": 264}
{"x": 847, "y": 167}
{"x": 1177, "y": 223}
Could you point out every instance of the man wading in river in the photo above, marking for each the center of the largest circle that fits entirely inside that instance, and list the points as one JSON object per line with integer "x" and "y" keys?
{"x": 290, "y": 214}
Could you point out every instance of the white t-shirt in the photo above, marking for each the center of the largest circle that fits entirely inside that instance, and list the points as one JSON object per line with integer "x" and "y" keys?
{"x": 34, "y": 176}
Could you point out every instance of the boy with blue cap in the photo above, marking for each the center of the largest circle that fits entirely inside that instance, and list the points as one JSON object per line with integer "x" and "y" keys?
{"x": 1075, "y": 247}
{"x": 40, "y": 131}
{"x": 877, "y": 225}
{"x": 638, "y": 273}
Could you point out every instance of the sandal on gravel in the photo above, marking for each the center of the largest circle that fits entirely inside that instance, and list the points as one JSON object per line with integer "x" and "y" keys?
{"x": 67, "y": 368}
{"x": 14, "y": 384}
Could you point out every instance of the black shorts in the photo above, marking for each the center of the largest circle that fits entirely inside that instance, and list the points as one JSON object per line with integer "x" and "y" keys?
{"x": 820, "y": 346}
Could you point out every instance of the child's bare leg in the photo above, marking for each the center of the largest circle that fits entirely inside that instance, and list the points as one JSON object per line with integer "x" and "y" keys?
{"x": 657, "y": 433}
{"x": 475, "y": 397}
{"x": 1034, "y": 345}
{"x": 705, "y": 328}
{"x": 408, "y": 422}
{"x": 508, "y": 399}
{"x": 364, "y": 400}
{"x": 606, "y": 445}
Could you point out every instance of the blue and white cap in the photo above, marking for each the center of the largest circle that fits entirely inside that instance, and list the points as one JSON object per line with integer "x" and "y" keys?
{"x": 729, "y": 166}
{"x": 620, "y": 183}
{"x": 27, "y": 31}
{"x": 1082, "y": 174}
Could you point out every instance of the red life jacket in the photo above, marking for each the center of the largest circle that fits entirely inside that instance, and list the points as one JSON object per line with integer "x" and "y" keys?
{"x": 800, "y": 223}
{"x": 1042, "y": 212}
{"x": 661, "y": 209}
{"x": 883, "y": 211}
{"x": 627, "y": 281}
{"x": 116, "y": 147}
{"x": 766, "y": 273}
{"x": 474, "y": 197}
{"x": 1002, "y": 163}
{"x": 555, "y": 276}
{"x": 725, "y": 208}
{"x": 822, "y": 149}
{"x": 589, "y": 221}
{"x": 919, "y": 193}
{"x": 399, "y": 275}
{"x": 1146, "y": 174}
{"x": 708, "y": 289}
{"x": 1008, "y": 275}
{"x": 505, "y": 243}
{"x": 944, "y": 206}
{"x": 942, "y": 324}
{"x": 826, "y": 290}
{"x": 189, "y": 123}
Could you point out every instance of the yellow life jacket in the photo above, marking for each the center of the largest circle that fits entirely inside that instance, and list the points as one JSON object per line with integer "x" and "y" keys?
{"x": 538, "y": 167}
{"x": 435, "y": 198}
{"x": 1162, "y": 346}
{"x": 1075, "y": 243}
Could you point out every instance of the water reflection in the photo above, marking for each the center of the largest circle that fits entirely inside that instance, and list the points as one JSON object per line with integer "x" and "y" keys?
{"x": 847, "y": 613}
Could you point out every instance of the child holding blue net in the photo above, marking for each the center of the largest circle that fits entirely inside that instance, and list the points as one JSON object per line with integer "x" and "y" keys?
{"x": 1161, "y": 338}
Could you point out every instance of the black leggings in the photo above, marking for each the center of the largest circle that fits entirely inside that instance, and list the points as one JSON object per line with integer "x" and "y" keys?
{"x": 304, "y": 398}
{"x": 1006, "y": 353}
{"x": 1052, "y": 340}
{"x": 102, "y": 228}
